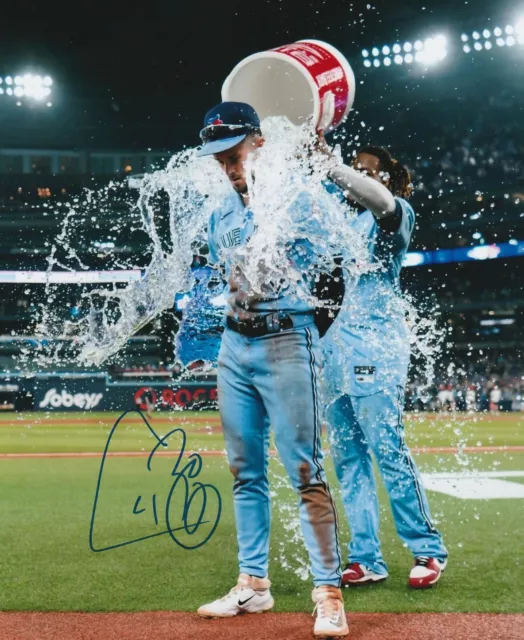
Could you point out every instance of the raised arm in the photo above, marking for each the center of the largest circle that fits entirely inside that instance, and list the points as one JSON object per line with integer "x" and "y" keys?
{"x": 368, "y": 192}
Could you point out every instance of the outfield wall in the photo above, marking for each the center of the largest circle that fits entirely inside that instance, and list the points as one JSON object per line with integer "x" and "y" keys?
{"x": 96, "y": 392}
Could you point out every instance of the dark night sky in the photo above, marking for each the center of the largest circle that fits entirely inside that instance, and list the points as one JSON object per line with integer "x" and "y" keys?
{"x": 167, "y": 48}
{"x": 166, "y": 60}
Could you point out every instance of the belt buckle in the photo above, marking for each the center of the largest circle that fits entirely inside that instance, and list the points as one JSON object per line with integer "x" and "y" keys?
{"x": 285, "y": 318}
{"x": 273, "y": 322}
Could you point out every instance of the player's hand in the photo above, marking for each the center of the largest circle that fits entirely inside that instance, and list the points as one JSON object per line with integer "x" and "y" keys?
{"x": 322, "y": 146}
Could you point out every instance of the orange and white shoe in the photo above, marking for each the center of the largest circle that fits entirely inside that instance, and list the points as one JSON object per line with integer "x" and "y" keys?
{"x": 329, "y": 606}
{"x": 356, "y": 574}
{"x": 250, "y": 595}
{"x": 426, "y": 572}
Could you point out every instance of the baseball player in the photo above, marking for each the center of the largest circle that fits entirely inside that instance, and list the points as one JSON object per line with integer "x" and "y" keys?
{"x": 370, "y": 337}
{"x": 268, "y": 369}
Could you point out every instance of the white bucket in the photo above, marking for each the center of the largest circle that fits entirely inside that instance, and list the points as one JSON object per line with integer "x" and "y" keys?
{"x": 306, "y": 80}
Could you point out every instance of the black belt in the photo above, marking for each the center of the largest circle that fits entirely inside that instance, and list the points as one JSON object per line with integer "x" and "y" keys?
{"x": 261, "y": 325}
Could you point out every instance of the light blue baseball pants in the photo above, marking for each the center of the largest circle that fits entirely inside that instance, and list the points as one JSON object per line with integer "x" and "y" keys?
{"x": 361, "y": 426}
{"x": 274, "y": 380}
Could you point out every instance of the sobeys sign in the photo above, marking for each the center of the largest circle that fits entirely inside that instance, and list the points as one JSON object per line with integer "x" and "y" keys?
{"x": 62, "y": 399}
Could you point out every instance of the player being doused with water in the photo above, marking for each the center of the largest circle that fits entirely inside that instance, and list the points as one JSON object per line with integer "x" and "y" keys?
{"x": 268, "y": 373}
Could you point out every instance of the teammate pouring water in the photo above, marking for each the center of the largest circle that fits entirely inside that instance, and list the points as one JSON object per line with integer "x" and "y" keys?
{"x": 368, "y": 353}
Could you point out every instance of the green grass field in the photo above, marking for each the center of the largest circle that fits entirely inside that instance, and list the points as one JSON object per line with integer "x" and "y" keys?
{"x": 46, "y": 505}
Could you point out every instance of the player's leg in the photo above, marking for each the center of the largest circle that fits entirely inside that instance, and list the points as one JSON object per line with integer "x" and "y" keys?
{"x": 286, "y": 373}
{"x": 354, "y": 469}
{"x": 381, "y": 419}
{"x": 246, "y": 434}
{"x": 287, "y": 370}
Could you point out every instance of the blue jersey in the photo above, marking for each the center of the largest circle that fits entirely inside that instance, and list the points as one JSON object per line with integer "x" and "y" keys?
{"x": 232, "y": 225}
{"x": 368, "y": 348}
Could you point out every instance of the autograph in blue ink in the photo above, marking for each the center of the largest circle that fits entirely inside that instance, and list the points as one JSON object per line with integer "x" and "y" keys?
{"x": 195, "y": 498}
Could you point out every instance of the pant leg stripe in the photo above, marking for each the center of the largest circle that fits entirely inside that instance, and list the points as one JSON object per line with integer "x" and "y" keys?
{"x": 420, "y": 501}
{"x": 318, "y": 443}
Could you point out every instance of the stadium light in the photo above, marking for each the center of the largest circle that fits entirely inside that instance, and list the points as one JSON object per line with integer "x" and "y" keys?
{"x": 509, "y": 36}
{"x": 32, "y": 86}
{"x": 428, "y": 52}
{"x": 434, "y": 49}
{"x": 519, "y": 30}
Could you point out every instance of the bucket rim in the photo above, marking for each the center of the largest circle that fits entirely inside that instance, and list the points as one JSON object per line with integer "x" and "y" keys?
{"x": 271, "y": 53}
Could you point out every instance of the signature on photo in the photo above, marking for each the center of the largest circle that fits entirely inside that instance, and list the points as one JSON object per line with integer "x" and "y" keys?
{"x": 196, "y": 504}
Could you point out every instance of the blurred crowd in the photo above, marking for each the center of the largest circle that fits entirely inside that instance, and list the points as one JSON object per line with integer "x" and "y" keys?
{"x": 484, "y": 381}
{"x": 506, "y": 395}
{"x": 472, "y": 148}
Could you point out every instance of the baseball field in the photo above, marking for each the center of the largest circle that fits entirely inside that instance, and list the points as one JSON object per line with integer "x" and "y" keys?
{"x": 105, "y": 532}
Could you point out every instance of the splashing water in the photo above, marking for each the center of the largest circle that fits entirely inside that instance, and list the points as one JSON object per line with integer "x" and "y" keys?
{"x": 172, "y": 212}
{"x": 283, "y": 174}
{"x": 188, "y": 182}
{"x": 286, "y": 182}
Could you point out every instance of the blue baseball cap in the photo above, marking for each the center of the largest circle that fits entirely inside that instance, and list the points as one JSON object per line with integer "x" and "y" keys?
{"x": 226, "y": 125}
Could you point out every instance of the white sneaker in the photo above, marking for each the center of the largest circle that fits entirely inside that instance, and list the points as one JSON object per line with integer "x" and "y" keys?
{"x": 329, "y": 606}
{"x": 250, "y": 595}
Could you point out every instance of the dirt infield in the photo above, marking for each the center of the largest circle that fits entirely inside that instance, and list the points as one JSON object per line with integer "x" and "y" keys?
{"x": 271, "y": 626}
{"x": 211, "y": 453}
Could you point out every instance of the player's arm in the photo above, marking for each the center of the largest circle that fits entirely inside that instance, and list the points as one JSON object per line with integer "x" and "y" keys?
{"x": 359, "y": 187}
{"x": 369, "y": 193}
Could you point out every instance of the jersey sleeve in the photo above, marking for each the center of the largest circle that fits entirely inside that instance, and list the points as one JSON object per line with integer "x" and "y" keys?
{"x": 398, "y": 228}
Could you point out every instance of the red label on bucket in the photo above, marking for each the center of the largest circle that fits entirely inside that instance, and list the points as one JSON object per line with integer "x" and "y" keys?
{"x": 325, "y": 70}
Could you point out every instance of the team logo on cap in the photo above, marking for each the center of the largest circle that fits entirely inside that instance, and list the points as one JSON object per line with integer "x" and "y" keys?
{"x": 215, "y": 120}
